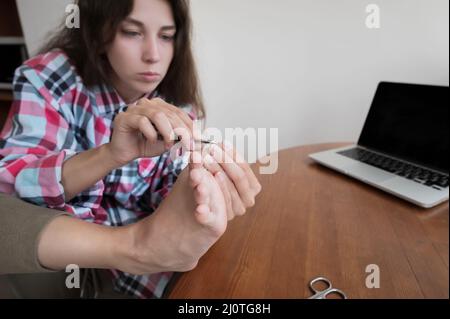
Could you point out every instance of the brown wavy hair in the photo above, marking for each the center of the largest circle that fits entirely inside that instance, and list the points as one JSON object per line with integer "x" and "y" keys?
{"x": 99, "y": 22}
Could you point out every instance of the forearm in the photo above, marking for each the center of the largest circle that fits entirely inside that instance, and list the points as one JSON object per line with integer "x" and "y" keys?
{"x": 67, "y": 240}
{"x": 70, "y": 241}
{"x": 85, "y": 169}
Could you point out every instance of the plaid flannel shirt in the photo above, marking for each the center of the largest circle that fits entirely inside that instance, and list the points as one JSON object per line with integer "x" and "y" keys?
{"x": 54, "y": 116}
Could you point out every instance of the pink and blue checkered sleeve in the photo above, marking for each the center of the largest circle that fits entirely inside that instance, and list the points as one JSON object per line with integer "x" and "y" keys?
{"x": 33, "y": 147}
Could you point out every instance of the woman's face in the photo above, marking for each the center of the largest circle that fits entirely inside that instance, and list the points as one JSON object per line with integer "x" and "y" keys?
{"x": 143, "y": 49}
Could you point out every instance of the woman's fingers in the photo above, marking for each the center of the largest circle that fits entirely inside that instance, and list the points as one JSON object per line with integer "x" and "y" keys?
{"x": 176, "y": 111}
{"x": 186, "y": 139}
{"x": 141, "y": 124}
{"x": 168, "y": 120}
{"x": 164, "y": 127}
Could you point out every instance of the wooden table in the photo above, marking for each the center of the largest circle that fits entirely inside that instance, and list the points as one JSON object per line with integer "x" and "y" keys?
{"x": 310, "y": 221}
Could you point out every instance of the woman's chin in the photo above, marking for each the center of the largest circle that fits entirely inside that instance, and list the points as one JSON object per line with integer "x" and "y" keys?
{"x": 146, "y": 88}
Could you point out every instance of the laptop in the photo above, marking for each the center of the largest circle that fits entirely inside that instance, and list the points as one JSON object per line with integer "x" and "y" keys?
{"x": 403, "y": 147}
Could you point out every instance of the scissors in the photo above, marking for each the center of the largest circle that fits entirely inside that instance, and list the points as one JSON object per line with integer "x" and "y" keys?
{"x": 201, "y": 141}
{"x": 322, "y": 294}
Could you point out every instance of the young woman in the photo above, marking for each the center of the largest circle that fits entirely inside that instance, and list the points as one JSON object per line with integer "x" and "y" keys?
{"x": 89, "y": 133}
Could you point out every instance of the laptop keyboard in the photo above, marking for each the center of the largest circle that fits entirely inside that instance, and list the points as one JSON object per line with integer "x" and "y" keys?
{"x": 409, "y": 171}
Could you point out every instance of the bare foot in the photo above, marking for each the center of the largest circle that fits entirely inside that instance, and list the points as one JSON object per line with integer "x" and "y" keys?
{"x": 187, "y": 223}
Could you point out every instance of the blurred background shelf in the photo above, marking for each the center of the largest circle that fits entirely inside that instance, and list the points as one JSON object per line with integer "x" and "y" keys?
{"x": 9, "y": 20}
{"x": 6, "y": 96}
{"x": 11, "y": 42}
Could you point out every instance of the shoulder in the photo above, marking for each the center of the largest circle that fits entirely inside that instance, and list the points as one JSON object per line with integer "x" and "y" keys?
{"x": 52, "y": 71}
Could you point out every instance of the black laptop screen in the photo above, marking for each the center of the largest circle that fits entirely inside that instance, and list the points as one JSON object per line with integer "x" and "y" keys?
{"x": 410, "y": 122}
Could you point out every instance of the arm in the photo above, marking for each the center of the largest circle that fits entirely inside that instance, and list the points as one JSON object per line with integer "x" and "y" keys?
{"x": 33, "y": 149}
{"x": 36, "y": 239}
{"x": 85, "y": 169}
{"x": 20, "y": 226}
{"x": 66, "y": 240}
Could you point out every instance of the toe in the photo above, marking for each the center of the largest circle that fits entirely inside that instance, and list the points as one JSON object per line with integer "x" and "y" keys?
{"x": 203, "y": 215}
{"x": 196, "y": 176}
{"x": 202, "y": 195}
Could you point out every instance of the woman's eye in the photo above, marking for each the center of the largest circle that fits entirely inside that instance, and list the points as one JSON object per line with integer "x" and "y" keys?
{"x": 168, "y": 37}
{"x": 131, "y": 33}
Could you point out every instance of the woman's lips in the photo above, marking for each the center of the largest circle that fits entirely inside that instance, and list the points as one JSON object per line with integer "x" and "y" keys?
{"x": 149, "y": 76}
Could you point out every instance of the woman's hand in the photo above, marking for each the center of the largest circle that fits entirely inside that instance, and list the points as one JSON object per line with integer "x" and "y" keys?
{"x": 136, "y": 131}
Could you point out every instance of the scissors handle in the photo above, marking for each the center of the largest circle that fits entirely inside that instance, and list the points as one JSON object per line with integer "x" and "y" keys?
{"x": 322, "y": 294}
{"x": 320, "y": 279}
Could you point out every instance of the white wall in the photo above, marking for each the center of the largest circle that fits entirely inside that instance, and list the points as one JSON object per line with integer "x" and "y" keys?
{"x": 307, "y": 67}
{"x": 38, "y": 18}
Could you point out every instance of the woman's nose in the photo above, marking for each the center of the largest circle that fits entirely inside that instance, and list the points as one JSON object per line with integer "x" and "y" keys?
{"x": 151, "y": 51}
